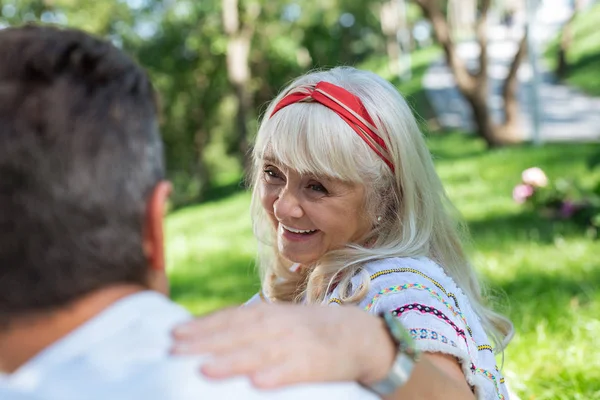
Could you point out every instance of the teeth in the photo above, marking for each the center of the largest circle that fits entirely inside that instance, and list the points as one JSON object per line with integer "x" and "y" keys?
{"x": 298, "y": 230}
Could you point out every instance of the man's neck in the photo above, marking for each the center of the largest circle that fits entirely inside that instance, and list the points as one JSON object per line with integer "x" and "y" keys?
{"x": 27, "y": 336}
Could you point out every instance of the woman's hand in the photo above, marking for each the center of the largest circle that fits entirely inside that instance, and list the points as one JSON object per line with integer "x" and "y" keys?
{"x": 278, "y": 344}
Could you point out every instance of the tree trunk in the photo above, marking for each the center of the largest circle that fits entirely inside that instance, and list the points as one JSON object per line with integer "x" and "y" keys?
{"x": 464, "y": 80}
{"x": 238, "y": 68}
{"x": 474, "y": 87}
{"x": 510, "y": 130}
{"x": 486, "y": 128}
{"x": 562, "y": 66}
{"x": 388, "y": 17}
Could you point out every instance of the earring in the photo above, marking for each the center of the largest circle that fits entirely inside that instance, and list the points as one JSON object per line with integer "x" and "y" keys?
{"x": 379, "y": 219}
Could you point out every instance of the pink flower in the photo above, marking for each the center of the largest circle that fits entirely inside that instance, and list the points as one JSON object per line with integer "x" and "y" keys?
{"x": 522, "y": 192}
{"x": 534, "y": 177}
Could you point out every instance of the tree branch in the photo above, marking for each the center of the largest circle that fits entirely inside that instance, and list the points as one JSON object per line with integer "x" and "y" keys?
{"x": 509, "y": 87}
{"x": 481, "y": 33}
{"x": 485, "y": 7}
{"x": 464, "y": 80}
{"x": 252, "y": 13}
{"x": 231, "y": 17}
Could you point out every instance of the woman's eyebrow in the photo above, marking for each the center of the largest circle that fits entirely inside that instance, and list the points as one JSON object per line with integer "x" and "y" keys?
{"x": 270, "y": 159}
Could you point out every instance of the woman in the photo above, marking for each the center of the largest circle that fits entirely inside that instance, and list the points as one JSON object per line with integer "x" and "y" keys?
{"x": 348, "y": 210}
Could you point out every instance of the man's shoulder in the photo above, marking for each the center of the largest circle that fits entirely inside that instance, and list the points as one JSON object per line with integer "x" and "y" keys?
{"x": 124, "y": 354}
{"x": 11, "y": 394}
{"x": 179, "y": 378}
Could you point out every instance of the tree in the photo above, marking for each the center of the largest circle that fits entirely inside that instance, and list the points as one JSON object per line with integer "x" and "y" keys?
{"x": 474, "y": 85}
{"x": 390, "y": 25}
{"x": 566, "y": 38}
{"x": 213, "y": 73}
{"x": 239, "y": 32}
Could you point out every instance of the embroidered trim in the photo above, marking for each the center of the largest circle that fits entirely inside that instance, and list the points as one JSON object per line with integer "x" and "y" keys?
{"x": 485, "y": 347}
{"x": 433, "y": 293}
{"x": 491, "y": 377}
{"x": 431, "y": 310}
{"x": 335, "y": 300}
{"x": 424, "y": 333}
{"x": 415, "y": 271}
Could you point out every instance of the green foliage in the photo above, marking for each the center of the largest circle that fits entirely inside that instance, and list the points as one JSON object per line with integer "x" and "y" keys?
{"x": 583, "y": 56}
{"x": 183, "y": 45}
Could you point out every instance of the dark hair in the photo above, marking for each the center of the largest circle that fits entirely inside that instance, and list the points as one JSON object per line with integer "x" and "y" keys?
{"x": 80, "y": 152}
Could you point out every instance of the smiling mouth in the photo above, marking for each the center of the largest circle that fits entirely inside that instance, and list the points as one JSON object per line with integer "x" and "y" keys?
{"x": 299, "y": 231}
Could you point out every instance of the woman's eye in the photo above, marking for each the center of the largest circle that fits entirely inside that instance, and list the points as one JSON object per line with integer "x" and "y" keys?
{"x": 317, "y": 187}
{"x": 271, "y": 174}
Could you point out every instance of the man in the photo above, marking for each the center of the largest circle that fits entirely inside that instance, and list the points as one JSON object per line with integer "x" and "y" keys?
{"x": 82, "y": 198}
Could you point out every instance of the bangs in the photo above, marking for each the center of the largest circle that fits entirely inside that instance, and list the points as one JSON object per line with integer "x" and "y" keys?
{"x": 313, "y": 140}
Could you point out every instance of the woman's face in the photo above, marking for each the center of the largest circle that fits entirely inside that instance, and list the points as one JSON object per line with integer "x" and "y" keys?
{"x": 311, "y": 215}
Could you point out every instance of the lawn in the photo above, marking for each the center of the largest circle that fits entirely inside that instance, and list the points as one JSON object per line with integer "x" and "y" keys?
{"x": 543, "y": 274}
{"x": 583, "y": 56}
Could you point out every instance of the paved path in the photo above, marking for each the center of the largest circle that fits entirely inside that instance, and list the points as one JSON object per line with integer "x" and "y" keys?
{"x": 566, "y": 114}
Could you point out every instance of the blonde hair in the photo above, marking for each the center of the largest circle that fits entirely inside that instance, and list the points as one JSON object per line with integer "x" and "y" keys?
{"x": 417, "y": 218}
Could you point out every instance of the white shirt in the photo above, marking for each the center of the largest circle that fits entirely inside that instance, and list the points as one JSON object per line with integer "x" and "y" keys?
{"x": 123, "y": 354}
{"x": 438, "y": 315}
{"x": 435, "y": 311}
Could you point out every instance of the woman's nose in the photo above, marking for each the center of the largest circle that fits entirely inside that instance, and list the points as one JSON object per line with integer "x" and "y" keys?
{"x": 287, "y": 205}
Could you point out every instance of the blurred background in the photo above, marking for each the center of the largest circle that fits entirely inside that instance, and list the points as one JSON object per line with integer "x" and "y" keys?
{"x": 507, "y": 93}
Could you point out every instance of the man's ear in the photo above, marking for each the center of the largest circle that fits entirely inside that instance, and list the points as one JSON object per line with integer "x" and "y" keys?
{"x": 153, "y": 236}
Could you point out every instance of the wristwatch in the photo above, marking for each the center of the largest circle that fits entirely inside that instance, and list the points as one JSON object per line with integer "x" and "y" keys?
{"x": 405, "y": 360}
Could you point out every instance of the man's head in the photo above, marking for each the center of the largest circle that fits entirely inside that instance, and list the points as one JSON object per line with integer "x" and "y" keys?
{"x": 81, "y": 170}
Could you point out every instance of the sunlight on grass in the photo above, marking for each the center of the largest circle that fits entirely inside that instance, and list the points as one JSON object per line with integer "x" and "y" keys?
{"x": 211, "y": 252}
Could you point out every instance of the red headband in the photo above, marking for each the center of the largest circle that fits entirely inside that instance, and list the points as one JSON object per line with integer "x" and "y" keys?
{"x": 347, "y": 106}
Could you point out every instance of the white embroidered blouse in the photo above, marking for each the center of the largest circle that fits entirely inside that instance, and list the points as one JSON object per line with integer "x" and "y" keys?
{"x": 436, "y": 313}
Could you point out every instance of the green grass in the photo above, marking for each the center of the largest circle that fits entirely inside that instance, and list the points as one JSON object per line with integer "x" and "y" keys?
{"x": 211, "y": 253}
{"x": 583, "y": 56}
{"x": 546, "y": 274}
{"x": 548, "y": 271}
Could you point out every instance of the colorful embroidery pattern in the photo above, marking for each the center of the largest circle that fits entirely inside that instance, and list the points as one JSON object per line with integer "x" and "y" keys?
{"x": 431, "y": 310}
{"x": 414, "y": 271}
{"x": 424, "y": 333}
{"x": 335, "y": 300}
{"x": 433, "y": 293}
{"x": 489, "y": 376}
{"x": 485, "y": 347}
